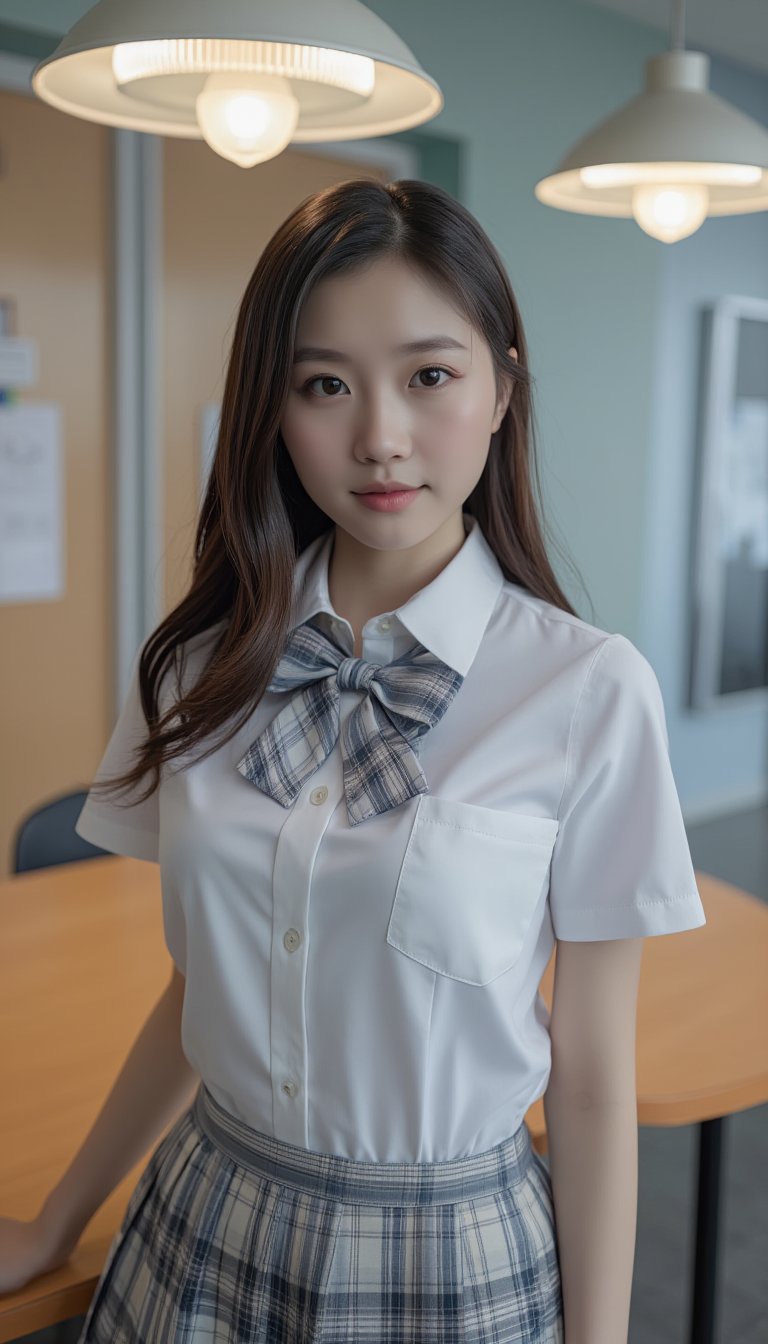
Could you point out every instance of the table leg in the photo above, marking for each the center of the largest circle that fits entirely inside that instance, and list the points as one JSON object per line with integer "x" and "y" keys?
{"x": 704, "y": 1302}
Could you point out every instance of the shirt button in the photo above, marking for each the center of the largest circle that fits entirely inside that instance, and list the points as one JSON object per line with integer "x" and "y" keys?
{"x": 291, "y": 939}
{"x": 289, "y": 1088}
{"x": 384, "y": 623}
{"x": 318, "y": 795}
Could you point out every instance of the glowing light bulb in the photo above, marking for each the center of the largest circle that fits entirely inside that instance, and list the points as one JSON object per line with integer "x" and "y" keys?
{"x": 669, "y": 211}
{"x": 247, "y": 118}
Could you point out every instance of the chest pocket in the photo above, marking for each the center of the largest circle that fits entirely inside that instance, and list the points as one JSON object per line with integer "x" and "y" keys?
{"x": 470, "y": 881}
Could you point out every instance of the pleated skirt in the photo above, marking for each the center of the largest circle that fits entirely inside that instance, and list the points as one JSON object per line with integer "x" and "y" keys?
{"x": 236, "y": 1237}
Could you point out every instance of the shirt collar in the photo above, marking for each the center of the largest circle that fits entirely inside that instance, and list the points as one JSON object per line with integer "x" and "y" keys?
{"x": 448, "y": 616}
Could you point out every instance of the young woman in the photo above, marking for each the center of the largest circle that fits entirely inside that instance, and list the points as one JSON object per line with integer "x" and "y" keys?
{"x": 383, "y": 766}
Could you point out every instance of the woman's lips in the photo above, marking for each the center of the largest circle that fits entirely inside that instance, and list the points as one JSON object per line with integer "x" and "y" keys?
{"x": 389, "y": 501}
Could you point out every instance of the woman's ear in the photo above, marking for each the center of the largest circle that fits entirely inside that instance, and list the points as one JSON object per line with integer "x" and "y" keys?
{"x": 503, "y": 403}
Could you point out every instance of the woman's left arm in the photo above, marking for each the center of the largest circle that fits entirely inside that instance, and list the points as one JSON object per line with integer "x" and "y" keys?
{"x": 590, "y": 1107}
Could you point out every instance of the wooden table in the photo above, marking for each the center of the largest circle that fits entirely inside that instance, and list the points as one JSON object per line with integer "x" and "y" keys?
{"x": 83, "y": 960}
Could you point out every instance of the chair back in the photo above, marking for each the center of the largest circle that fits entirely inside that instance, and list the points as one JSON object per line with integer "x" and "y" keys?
{"x": 47, "y": 836}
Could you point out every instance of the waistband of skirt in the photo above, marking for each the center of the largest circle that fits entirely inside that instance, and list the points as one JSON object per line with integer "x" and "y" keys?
{"x": 343, "y": 1178}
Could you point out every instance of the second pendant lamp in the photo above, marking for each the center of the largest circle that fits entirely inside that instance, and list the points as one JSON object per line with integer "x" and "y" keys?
{"x": 669, "y": 158}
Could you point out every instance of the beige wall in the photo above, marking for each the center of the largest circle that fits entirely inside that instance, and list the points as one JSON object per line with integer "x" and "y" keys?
{"x": 56, "y": 670}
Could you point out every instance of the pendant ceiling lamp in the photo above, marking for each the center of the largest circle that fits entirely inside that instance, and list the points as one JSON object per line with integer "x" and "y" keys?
{"x": 247, "y": 76}
{"x": 670, "y": 157}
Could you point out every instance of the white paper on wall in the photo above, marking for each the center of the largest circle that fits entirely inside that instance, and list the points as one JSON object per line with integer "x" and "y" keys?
{"x": 31, "y": 503}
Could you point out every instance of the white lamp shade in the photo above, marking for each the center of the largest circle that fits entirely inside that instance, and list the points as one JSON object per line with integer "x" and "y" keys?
{"x": 285, "y": 37}
{"x": 677, "y": 132}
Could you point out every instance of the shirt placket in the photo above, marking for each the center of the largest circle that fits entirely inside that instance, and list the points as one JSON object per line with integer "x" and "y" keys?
{"x": 297, "y": 848}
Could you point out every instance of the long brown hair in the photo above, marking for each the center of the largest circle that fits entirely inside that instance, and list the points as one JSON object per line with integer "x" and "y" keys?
{"x": 256, "y": 516}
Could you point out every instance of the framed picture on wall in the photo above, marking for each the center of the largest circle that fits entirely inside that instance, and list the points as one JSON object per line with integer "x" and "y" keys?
{"x": 730, "y": 611}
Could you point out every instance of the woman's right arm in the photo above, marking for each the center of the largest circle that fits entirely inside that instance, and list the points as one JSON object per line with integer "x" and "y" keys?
{"x": 154, "y": 1086}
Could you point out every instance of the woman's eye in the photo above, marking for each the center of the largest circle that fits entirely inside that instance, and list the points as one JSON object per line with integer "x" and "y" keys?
{"x": 433, "y": 368}
{"x": 324, "y": 378}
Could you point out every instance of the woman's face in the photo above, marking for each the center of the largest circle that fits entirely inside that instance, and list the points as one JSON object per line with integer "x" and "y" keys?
{"x": 367, "y": 411}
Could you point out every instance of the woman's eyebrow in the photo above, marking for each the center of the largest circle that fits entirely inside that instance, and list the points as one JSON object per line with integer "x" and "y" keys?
{"x": 418, "y": 347}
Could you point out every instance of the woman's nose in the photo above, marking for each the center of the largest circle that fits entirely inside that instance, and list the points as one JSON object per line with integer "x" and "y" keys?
{"x": 383, "y": 426}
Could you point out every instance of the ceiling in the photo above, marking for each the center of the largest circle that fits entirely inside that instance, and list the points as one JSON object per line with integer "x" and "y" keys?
{"x": 737, "y": 29}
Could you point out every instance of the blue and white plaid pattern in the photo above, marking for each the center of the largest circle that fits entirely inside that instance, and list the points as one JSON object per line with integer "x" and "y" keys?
{"x": 235, "y": 1237}
{"x": 404, "y": 699}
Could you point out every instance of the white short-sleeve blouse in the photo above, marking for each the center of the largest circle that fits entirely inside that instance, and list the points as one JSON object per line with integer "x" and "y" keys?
{"x": 372, "y": 991}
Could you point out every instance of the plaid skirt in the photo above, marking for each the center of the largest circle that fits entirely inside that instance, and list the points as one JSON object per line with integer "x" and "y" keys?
{"x": 236, "y": 1237}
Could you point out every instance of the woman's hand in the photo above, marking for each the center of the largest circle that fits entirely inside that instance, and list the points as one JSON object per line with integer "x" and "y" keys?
{"x": 27, "y": 1249}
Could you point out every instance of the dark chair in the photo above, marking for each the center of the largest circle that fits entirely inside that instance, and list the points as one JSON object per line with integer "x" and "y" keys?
{"x": 47, "y": 836}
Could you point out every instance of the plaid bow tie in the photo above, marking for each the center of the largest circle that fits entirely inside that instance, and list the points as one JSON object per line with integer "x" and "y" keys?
{"x": 403, "y": 700}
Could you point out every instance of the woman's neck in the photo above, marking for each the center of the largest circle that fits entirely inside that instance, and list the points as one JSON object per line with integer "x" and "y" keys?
{"x": 364, "y": 582}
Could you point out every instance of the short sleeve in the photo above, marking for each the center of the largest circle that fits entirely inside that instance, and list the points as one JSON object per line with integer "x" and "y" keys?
{"x": 117, "y": 822}
{"x": 621, "y": 866}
